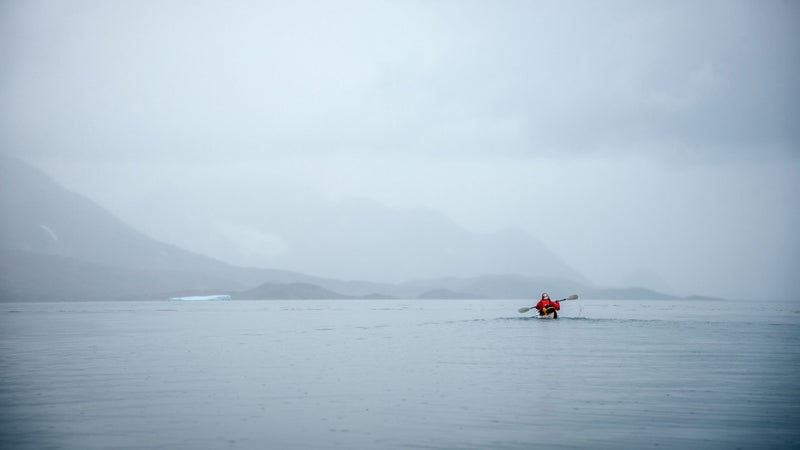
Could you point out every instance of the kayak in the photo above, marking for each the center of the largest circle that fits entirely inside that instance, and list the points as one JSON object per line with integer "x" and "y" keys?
{"x": 525, "y": 309}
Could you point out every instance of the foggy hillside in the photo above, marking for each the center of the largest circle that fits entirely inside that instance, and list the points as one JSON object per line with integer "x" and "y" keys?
{"x": 353, "y": 240}
{"x": 272, "y": 226}
{"x": 58, "y": 245}
{"x": 52, "y": 239}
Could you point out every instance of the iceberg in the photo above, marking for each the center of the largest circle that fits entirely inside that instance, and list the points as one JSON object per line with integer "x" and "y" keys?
{"x": 202, "y": 298}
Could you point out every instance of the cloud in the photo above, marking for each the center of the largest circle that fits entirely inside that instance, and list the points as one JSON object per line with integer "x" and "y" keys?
{"x": 127, "y": 80}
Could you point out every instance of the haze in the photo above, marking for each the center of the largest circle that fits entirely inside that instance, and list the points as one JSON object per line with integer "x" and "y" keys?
{"x": 640, "y": 142}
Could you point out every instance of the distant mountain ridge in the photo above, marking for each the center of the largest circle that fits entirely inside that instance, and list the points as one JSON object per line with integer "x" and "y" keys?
{"x": 41, "y": 217}
{"x": 352, "y": 238}
{"x": 368, "y": 240}
{"x": 56, "y": 245}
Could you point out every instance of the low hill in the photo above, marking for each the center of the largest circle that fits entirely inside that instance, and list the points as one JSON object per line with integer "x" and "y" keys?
{"x": 445, "y": 294}
{"x": 522, "y": 287}
{"x": 28, "y": 276}
{"x": 288, "y": 291}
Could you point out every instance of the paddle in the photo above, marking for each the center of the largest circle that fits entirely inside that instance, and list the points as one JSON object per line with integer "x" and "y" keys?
{"x": 528, "y": 308}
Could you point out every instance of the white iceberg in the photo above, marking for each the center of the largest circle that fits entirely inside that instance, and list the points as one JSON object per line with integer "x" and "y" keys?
{"x": 202, "y": 298}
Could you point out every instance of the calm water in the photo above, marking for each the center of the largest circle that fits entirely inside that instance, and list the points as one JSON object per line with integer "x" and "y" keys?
{"x": 398, "y": 374}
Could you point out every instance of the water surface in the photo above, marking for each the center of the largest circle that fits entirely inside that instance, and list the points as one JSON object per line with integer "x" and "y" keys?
{"x": 458, "y": 374}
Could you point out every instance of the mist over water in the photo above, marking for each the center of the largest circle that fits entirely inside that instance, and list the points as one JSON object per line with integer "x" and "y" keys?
{"x": 398, "y": 374}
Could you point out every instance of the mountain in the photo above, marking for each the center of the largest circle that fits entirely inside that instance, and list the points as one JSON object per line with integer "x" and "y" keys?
{"x": 56, "y": 245}
{"x": 41, "y": 217}
{"x": 365, "y": 240}
{"x": 275, "y": 225}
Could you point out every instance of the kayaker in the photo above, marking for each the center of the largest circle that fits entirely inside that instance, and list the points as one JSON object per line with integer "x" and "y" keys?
{"x": 547, "y": 306}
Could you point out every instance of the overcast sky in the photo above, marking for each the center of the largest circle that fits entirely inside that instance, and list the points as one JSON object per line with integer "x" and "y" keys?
{"x": 625, "y": 135}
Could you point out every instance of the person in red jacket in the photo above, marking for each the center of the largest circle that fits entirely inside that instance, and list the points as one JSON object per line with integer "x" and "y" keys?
{"x": 547, "y": 306}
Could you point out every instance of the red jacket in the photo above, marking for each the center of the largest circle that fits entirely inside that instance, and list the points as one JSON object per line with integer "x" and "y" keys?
{"x": 545, "y": 302}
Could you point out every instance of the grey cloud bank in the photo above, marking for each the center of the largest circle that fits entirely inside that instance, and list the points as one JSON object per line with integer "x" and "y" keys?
{"x": 623, "y": 135}
{"x": 201, "y": 79}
